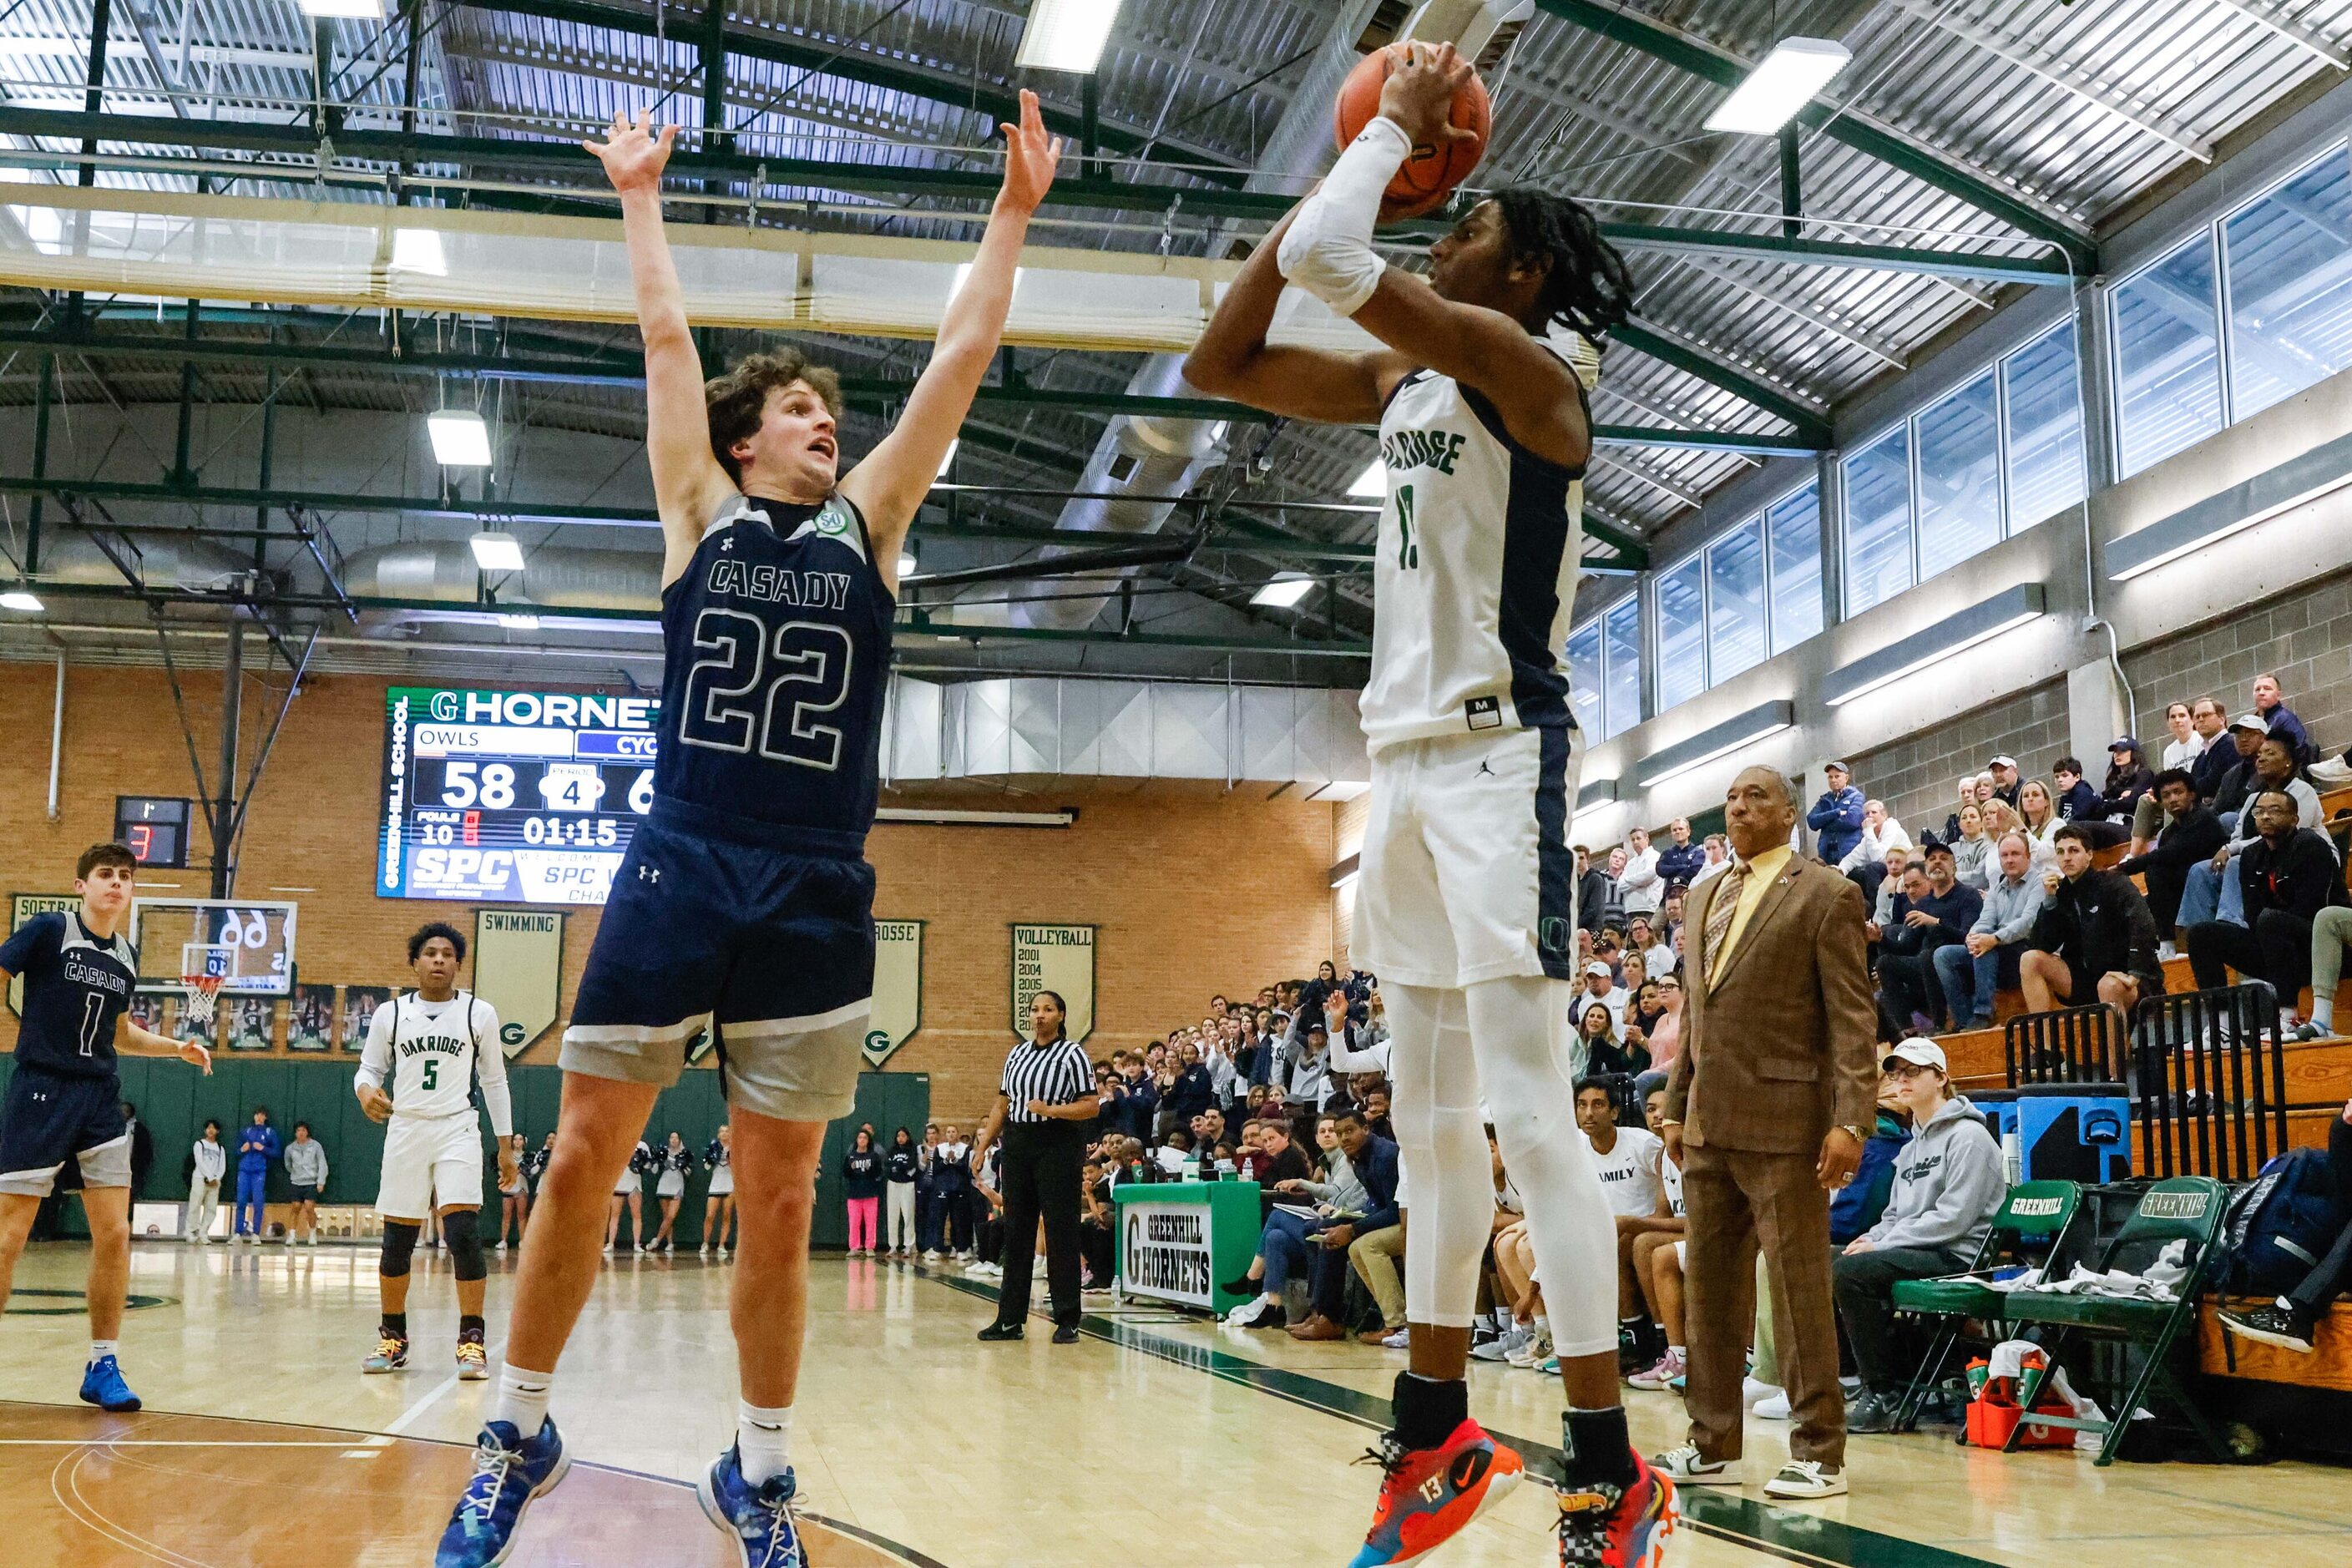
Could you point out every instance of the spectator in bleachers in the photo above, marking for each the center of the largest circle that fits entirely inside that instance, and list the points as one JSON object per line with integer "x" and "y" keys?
{"x": 1951, "y": 828}
{"x": 1612, "y": 908}
{"x": 1641, "y": 937}
{"x": 2290, "y": 1322}
{"x": 2212, "y": 892}
{"x": 1601, "y": 985}
{"x": 2286, "y": 875}
{"x": 1628, "y": 1160}
{"x": 2330, "y": 934}
{"x": 1718, "y": 858}
{"x": 2129, "y": 781}
{"x": 1374, "y": 1161}
{"x": 2005, "y": 782}
{"x": 2093, "y": 940}
{"x": 1948, "y": 1183}
{"x": 2192, "y": 836}
{"x": 2076, "y": 800}
{"x": 1867, "y": 862}
{"x": 2184, "y": 751}
{"x": 1680, "y": 861}
{"x": 1663, "y": 1039}
{"x": 1973, "y": 861}
{"x": 1836, "y": 819}
{"x": 1642, "y": 886}
{"x": 2270, "y": 706}
{"x": 1937, "y": 912}
{"x": 2223, "y": 752}
{"x": 1600, "y": 1049}
{"x": 1882, "y": 903}
{"x": 2000, "y": 819}
{"x": 1592, "y": 892}
{"x": 1985, "y": 960}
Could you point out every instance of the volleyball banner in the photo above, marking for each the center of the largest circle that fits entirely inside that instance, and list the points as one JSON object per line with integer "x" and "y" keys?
{"x": 1060, "y": 959}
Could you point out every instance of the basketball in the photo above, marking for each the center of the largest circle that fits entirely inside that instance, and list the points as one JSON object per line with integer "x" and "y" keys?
{"x": 1430, "y": 175}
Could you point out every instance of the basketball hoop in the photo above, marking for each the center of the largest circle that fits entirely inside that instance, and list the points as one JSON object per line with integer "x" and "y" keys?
{"x": 204, "y": 968}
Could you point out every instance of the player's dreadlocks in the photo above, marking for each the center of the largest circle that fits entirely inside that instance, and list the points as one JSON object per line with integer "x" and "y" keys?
{"x": 1586, "y": 285}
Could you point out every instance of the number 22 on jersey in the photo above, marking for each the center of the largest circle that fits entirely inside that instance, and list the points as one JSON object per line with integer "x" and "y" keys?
{"x": 806, "y": 674}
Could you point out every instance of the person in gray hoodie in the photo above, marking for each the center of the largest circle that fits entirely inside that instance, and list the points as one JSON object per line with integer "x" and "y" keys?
{"x": 1948, "y": 1181}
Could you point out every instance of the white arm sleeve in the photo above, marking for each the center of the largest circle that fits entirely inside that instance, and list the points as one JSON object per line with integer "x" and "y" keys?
{"x": 375, "y": 1057}
{"x": 490, "y": 1069}
{"x": 1327, "y": 250}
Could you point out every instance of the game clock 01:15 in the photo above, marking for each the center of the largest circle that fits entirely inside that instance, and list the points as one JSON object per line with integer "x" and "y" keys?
{"x": 153, "y": 827}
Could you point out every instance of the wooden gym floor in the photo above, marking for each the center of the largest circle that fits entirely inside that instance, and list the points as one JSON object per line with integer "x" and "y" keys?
{"x": 1156, "y": 1440}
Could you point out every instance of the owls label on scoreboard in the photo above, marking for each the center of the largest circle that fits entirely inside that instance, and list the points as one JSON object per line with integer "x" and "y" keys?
{"x": 526, "y": 797}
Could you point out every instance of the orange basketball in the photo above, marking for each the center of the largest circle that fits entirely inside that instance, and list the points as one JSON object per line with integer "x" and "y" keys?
{"x": 1430, "y": 175}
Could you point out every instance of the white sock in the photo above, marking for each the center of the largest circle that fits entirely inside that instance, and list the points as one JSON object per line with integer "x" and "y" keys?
{"x": 101, "y": 1349}
{"x": 522, "y": 1399}
{"x": 1543, "y": 1323}
{"x": 763, "y": 1440}
{"x": 2323, "y": 1013}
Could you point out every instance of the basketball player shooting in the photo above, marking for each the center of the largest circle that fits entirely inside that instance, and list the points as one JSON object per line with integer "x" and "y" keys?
{"x": 1465, "y": 905}
{"x": 434, "y": 1044}
{"x": 65, "y": 1100}
{"x": 745, "y": 902}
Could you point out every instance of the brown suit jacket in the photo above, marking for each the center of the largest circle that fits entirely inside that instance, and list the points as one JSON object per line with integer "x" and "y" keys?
{"x": 1784, "y": 1046}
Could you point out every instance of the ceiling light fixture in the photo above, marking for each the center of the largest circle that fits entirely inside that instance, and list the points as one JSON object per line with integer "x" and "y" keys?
{"x": 1284, "y": 592}
{"x": 18, "y": 599}
{"x": 352, "y": 10}
{"x": 1372, "y": 483}
{"x": 948, "y": 457}
{"x": 460, "y": 439}
{"x": 1932, "y": 645}
{"x": 518, "y": 623}
{"x": 419, "y": 250}
{"x": 1783, "y": 83}
{"x": 1066, "y": 35}
{"x": 1711, "y": 744}
{"x": 497, "y": 551}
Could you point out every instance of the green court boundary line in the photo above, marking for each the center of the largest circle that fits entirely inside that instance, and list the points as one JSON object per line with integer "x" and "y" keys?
{"x": 130, "y": 1303}
{"x": 1786, "y": 1533}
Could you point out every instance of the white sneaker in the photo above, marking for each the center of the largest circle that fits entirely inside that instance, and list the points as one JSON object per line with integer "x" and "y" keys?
{"x": 1806, "y": 1479}
{"x": 930, "y": 1254}
{"x": 1254, "y": 1313}
{"x": 1683, "y": 1468}
{"x": 2166, "y": 951}
{"x": 641, "y": 1247}
{"x": 2330, "y": 771}
{"x": 1400, "y": 1340}
{"x": 1500, "y": 1349}
{"x": 500, "y": 1247}
{"x": 1751, "y": 1391}
{"x": 1773, "y": 1407}
{"x": 1531, "y": 1353}
{"x": 1037, "y": 1269}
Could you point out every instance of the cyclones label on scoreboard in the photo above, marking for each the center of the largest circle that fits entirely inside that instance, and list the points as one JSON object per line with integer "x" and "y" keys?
{"x": 511, "y": 796}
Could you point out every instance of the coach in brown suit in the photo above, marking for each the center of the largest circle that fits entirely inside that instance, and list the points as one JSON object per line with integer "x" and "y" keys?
{"x": 1768, "y": 1103}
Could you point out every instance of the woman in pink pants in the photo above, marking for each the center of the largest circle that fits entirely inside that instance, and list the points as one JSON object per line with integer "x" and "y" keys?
{"x": 862, "y": 1178}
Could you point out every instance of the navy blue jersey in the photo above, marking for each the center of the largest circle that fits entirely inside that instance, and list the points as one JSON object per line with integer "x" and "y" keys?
{"x": 777, "y": 643}
{"x": 76, "y": 986}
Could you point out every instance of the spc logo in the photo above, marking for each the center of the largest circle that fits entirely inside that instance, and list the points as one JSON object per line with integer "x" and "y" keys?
{"x": 485, "y": 871}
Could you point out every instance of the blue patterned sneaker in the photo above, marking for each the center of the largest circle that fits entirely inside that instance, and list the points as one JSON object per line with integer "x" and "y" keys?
{"x": 508, "y": 1473}
{"x": 760, "y": 1518}
{"x": 102, "y": 1386}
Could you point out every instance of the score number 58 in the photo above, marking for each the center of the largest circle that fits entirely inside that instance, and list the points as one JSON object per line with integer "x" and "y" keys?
{"x": 493, "y": 788}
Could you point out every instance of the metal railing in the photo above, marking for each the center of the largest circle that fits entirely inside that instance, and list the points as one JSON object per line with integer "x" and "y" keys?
{"x": 2067, "y": 1045}
{"x": 2210, "y": 1081}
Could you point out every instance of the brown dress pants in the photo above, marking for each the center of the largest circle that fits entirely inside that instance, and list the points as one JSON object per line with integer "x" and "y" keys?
{"x": 1737, "y": 1201}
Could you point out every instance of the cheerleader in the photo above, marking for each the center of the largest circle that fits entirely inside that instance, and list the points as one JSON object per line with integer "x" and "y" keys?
{"x": 673, "y": 1163}
{"x": 631, "y": 1187}
{"x": 718, "y": 1207}
{"x": 514, "y": 1203}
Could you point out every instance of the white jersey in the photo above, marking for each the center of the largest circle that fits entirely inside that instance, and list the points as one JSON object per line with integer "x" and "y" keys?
{"x": 1477, "y": 571}
{"x": 433, "y": 1051}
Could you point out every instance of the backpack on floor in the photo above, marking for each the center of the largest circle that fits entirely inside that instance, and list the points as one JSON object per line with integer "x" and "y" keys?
{"x": 2279, "y": 1225}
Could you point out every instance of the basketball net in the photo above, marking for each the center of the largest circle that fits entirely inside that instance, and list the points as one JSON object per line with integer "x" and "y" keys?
{"x": 203, "y": 969}
{"x": 203, "y": 993}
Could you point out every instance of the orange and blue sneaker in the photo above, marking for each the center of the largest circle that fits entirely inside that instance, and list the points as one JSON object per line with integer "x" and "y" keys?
{"x": 1603, "y": 1525}
{"x": 1428, "y": 1495}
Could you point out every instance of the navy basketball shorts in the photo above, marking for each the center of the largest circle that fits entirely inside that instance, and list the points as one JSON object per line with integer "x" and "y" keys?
{"x": 764, "y": 933}
{"x": 49, "y": 1118}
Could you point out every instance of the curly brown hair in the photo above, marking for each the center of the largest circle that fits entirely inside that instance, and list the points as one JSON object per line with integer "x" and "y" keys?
{"x": 735, "y": 401}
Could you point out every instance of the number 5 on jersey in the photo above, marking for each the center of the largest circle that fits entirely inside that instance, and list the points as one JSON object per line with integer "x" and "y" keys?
{"x": 1408, "y": 551}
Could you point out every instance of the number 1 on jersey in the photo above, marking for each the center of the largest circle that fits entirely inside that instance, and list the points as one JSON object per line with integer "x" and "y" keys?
{"x": 1407, "y": 553}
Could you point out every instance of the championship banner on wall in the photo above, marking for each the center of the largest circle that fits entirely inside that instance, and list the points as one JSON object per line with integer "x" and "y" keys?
{"x": 22, "y": 907}
{"x": 897, "y": 988}
{"x": 519, "y": 970}
{"x": 1060, "y": 959}
{"x": 310, "y": 1018}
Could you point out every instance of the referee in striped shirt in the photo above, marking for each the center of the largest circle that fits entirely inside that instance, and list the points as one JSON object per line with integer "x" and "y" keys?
{"x": 1045, "y": 1104}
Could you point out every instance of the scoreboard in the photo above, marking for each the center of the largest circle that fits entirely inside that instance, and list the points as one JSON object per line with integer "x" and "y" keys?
{"x": 510, "y": 796}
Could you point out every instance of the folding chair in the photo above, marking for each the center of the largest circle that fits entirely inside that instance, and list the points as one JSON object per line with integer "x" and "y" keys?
{"x": 2030, "y": 1227}
{"x": 2186, "y": 1209}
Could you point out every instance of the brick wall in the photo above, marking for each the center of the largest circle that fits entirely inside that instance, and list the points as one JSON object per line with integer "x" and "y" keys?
{"x": 1918, "y": 776}
{"x": 1191, "y": 894}
{"x": 2304, "y": 636}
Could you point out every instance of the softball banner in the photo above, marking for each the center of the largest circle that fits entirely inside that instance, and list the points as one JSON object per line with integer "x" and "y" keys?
{"x": 1060, "y": 959}
{"x": 897, "y": 988}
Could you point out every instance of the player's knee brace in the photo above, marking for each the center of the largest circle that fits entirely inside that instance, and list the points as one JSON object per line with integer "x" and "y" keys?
{"x": 458, "y": 1228}
{"x": 399, "y": 1242}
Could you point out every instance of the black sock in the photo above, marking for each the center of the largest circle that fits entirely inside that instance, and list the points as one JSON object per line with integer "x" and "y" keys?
{"x": 1596, "y": 1448}
{"x": 395, "y": 1325}
{"x": 471, "y": 1327}
{"x": 1427, "y": 1410}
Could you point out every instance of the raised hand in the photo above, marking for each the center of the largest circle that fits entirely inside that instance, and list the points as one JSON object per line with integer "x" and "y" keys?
{"x": 634, "y": 154}
{"x": 1030, "y": 158}
{"x": 1419, "y": 94}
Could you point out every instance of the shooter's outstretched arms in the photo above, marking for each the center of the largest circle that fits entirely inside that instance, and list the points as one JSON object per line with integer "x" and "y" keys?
{"x": 689, "y": 487}
{"x": 890, "y": 484}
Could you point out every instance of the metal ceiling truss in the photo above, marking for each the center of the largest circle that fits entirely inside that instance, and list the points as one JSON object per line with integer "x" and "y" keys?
{"x": 2265, "y": 15}
{"x": 1894, "y": 148}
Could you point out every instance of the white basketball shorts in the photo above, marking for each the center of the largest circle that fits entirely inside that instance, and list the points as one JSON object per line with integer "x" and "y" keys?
{"x": 425, "y": 1157}
{"x": 1467, "y": 873}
